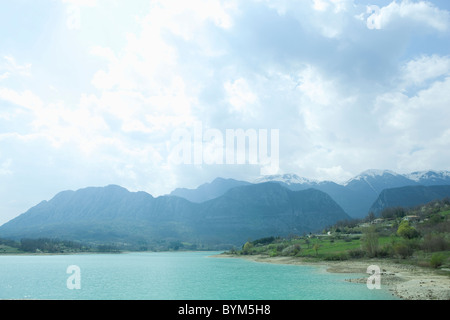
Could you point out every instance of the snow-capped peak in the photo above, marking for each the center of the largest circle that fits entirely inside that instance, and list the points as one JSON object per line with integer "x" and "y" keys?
{"x": 371, "y": 173}
{"x": 377, "y": 172}
{"x": 288, "y": 178}
{"x": 430, "y": 174}
{"x": 368, "y": 176}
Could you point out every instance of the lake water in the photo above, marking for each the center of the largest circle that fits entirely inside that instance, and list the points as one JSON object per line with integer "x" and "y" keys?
{"x": 171, "y": 276}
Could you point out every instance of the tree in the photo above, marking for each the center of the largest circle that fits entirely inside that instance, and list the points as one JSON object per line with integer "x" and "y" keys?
{"x": 406, "y": 231}
{"x": 369, "y": 241}
{"x": 246, "y": 249}
{"x": 370, "y": 217}
{"x": 175, "y": 245}
{"x": 316, "y": 248}
{"x": 393, "y": 212}
{"x": 307, "y": 242}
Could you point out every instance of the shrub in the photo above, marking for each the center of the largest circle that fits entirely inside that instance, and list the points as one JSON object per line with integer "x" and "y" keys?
{"x": 424, "y": 264}
{"x": 436, "y": 260}
{"x": 403, "y": 250}
{"x": 291, "y": 250}
{"x": 435, "y": 242}
{"x": 436, "y": 218}
{"x": 443, "y": 227}
{"x": 356, "y": 253}
{"x": 347, "y": 239}
{"x": 385, "y": 251}
{"x": 273, "y": 253}
{"x": 264, "y": 241}
{"x": 337, "y": 257}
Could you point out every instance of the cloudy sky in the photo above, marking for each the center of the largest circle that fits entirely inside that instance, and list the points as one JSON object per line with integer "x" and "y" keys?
{"x": 94, "y": 92}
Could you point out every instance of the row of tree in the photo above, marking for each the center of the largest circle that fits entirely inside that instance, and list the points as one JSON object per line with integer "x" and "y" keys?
{"x": 46, "y": 245}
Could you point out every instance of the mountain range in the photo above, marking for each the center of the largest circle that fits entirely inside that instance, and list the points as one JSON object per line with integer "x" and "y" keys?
{"x": 356, "y": 196}
{"x": 409, "y": 196}
{"x": 112, "y": 214}
{"x": 208, "y": 191}
{"x": 224, "y": 212}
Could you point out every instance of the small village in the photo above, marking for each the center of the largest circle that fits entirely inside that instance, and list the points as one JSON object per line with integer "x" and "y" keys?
{"x": 418, "y": 236}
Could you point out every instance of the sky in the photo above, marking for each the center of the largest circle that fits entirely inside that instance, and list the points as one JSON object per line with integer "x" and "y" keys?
{"x": 143, "y": 94}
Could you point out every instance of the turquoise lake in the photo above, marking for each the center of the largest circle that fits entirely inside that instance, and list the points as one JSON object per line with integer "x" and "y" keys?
{"x": 172, "y": 276}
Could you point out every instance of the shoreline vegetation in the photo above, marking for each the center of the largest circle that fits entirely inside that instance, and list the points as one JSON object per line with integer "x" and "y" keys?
{"x": 405, "y": 281}
{"x": 57, "y": 246}
{"x": 48, "y": 246}
{"x": 410, "y": 245}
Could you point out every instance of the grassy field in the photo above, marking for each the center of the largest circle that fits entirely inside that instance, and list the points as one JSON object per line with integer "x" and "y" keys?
{"x": 5, "y": 249}
{"x": 427, "y": 242}
{"x": 322, "y": 247}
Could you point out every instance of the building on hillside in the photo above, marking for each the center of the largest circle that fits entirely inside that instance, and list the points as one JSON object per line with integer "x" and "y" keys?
{"x": 411, "y": 218}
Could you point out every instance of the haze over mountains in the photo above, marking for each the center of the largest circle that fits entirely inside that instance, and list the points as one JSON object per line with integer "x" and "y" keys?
{"x": 356, "y": 196}
{"x": 409, "y": 196}
{"x": 224, "y": 212}
{"x": 113, "y": 214}
{"x": 208, "y": 191}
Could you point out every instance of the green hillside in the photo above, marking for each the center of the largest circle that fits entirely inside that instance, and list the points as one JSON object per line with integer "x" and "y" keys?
{"x": 419, "y": 235}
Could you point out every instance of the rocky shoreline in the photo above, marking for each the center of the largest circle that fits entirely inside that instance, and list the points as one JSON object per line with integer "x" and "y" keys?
{"x": 406, "y": 282}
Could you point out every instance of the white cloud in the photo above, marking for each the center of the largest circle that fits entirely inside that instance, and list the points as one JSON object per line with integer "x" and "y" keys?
{"x": 313, "y": 86}
{"x": 5, "y": 167}
{"x": 144, "y": 85}
{"x": 334, "y": 173}
{"x": 145, "y": 60}
{"x": 185, "y": 17}
{"x": 320, "y": 5}
{"x": 414, "y": 127}
{"x": 12, "y": 67}
{"x": 26, "y": 99}
{"x": 85, "y": 3}
{"x": 423, "y": 13}
{"x": 341, "y": 5}
{"x": 421, "y": 110}
{"x": 73, "y": 17}
{"x": 56, "y": 122}
{"x": 424, "y": 68}
{"x": 106, "y": 53}
{"x": 329, "y": 17}
{"x": 337, "y": 5}
{"x": 241, "y": 97}
{"x": 4, "y": 76}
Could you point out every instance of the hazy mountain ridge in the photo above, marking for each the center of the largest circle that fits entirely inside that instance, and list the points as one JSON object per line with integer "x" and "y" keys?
{"x": 113, "y": 214}
{"x": 208, "y": 191}
{"x": 288, "y": 178}
{"x": 355, "y": 196}
{"x": 236, "y": 211}
{"x": 409, "y": 196}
